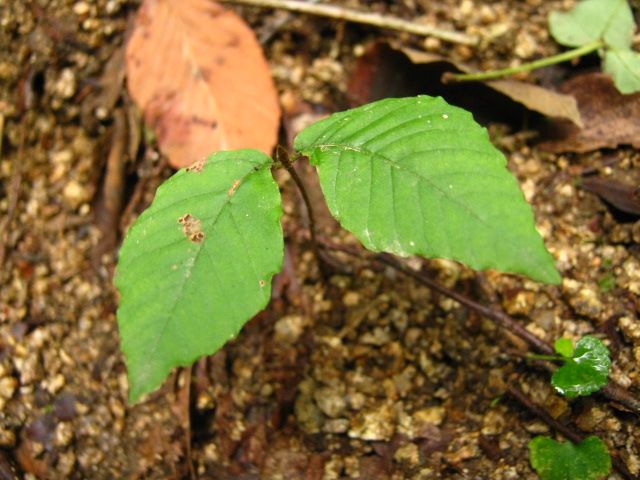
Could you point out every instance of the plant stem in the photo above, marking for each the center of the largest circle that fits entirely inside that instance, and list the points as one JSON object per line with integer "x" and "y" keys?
{"x": 286, "y": 163}
{"x": 551, "y": 358}
{"x": 611, "y": 391}
{"x": 526, "y": 67}
{"x": 368, "y": 18}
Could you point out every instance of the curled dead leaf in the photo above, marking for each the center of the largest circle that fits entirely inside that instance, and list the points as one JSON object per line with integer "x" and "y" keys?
{"x": 388, "y": 70}
{"x": 201, "y": 80}
{"x": 610, "y": 118}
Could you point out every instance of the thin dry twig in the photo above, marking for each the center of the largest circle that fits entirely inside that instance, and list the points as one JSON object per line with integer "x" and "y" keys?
{"x": 612, "y": 391}
{"x": 571, "y": 434}
{"x": 367, "y": 18}
{"x": 13, "y": 194}
{"x": 184, "y": 401}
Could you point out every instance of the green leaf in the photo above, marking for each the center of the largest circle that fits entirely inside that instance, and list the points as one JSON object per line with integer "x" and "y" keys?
{"x": 591, "y": 20}
{"x": 587, "y": 460}
{"x": 624, "y": 67}
{"x": 418, "y": 176}
{"x": 197, "y": 264}
{"x": 564, "y": 347}
{"x": 586, "y": 371}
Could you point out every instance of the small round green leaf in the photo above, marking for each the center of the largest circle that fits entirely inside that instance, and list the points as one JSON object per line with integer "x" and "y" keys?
{"x": 417, "y": 176}
{"x": 197, "y": 264}
{"x": 587, "y": 460}
{"x": 564, "y": 347}
{"x": 586, "y": 371}
{"x": 590, "y": 20}
{"x": 624, "y": 67}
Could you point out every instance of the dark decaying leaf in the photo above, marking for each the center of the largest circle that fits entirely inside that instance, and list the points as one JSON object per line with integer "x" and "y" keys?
{"x": 388, "y": 71}
{"x": 610, "y": 118}
{"x": 622, "y": 196}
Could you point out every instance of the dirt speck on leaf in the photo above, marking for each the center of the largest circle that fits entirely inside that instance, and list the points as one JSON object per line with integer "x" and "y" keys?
{"x": 191, "y": 228}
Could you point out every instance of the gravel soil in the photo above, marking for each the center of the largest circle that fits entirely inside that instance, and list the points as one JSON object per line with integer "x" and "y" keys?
{"x": 362, "y": 374}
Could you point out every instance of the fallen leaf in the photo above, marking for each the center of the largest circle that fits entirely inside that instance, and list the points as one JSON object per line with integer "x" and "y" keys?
{"x": 542, "y": 100}
{"x": 386, "y": 71}
{"x": 622, "y": 196}
{"x": 610, "y": 118}
{"x": 201, "y": 80}
{"x": 538, "y": 99}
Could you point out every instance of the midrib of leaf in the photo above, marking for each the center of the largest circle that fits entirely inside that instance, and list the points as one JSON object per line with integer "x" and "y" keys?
{"x": 200, "y": 78}
{"x": 631, "y": 71}
{"x": 621, "y": 3}
{"x": 444, "y": 195}
{"x": 189, "y": 270}
{"x": 402, "y": 168}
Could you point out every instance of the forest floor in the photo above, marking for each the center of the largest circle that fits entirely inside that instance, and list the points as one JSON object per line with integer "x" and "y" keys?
{"x": 366, "y": 374}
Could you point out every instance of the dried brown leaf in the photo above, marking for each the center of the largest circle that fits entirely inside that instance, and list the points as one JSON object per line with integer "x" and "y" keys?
{"x": 623, "y": 196}
{"x": 610, "y": 118}
{"x": 538, "y": 99}
{"x": 201, "y": 80}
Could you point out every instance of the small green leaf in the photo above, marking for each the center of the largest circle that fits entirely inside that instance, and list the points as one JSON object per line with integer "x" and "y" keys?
{"x": 607, "y": 282}
{"x": 197, "y": 264}
{"x": 417, "y": 176}
{"x": 587, "y": 460}
{"x": 564, "y": 347}
{"x": 590, "y": 20}
{"x": 624, "y": 67}
{"x": 586, "y": 371}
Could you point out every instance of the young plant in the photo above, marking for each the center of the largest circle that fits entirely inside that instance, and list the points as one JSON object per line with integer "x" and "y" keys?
{"x": 408, "y": 176}
{"x": 585, "y": 371}
{"x": 586, "y": 460}
{"x": 603, "y": 26}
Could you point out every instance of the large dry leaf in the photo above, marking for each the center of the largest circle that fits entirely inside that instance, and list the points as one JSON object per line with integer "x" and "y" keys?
{"x": 610, "y": 118}
{"x": 200, "y": 77}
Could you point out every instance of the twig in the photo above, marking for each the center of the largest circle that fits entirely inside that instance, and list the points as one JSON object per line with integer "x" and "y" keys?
{"x": 367, "y": 18}
{"x": 449, "y": 77}
{"x": 612, "y": 391}
{"x": 109, "y": 205}
{"x": 13, "y": 194}
{"x": 569, "y": 433}
{"x": 187, "y": 420}
{"x": 270, "y": 30}
{"x": 542, "y": 414}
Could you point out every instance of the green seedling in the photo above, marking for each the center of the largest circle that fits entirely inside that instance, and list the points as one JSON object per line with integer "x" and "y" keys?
{"x": 585, "y": 369}
{"x": 586, "y": 460}
{"x": 407, "y": 176}
{"x": 603, "y": 26}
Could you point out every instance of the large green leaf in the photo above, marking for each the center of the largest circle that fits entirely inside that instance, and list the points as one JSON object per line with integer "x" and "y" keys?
{"x": 586, "y": 369}
{"x": 592, "y": 20}
{"x": 624, "y": 67}
{"x": 418, "y": 176}
{"x": 197, "y": 264}
{"x": 587, "y": 460}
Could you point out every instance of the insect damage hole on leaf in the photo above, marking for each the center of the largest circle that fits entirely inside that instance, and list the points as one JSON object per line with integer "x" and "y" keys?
{"x": 197, "y": 166}
{"x": 191, "y": 228}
